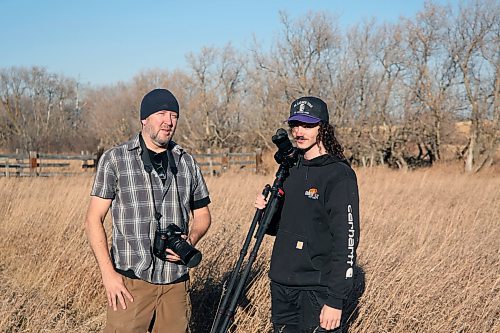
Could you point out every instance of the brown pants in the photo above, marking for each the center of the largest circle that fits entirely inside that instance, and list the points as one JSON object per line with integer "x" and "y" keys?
{"x": 169, "y": 304}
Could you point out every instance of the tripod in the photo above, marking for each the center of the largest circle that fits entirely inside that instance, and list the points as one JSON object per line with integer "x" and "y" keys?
{"x": 232, "y": 294}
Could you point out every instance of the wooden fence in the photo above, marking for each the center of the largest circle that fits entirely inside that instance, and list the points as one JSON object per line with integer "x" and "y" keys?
{"x": 217, "y": 163}
{"x": 37, "y": 164}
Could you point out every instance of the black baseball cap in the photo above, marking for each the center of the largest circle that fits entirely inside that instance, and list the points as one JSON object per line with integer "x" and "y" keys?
{"x": 309, "y": 109}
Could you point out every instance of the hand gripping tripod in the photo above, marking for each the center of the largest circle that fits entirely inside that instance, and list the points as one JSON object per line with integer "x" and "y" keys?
{"x": 286, "y": 156}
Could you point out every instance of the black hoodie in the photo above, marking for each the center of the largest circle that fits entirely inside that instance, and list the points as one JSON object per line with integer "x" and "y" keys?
{"x": 318, "y": 228}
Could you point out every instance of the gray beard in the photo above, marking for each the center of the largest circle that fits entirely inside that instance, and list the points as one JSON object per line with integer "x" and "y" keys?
{"x": 154, "y": 138}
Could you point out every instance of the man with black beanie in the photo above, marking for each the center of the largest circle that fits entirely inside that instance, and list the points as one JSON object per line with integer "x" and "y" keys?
{"x": 152, "y": 186}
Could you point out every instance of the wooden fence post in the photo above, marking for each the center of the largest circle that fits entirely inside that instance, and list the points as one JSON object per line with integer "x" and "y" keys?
{"x": 258, "y": 159}
{"x": 225, "y": 160}
{"x": 210, "y": 162}
{"x": 18, "y": 161}
{"x": 84, "y": 162}
{"x": 33, "y": 163}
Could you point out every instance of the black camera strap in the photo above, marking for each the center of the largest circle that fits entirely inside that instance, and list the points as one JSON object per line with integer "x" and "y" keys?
{"x": 148, "y": 167}
{"x": 174, "y": 170}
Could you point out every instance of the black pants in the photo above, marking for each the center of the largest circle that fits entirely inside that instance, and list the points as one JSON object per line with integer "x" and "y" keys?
{"x": 296, "y": 310}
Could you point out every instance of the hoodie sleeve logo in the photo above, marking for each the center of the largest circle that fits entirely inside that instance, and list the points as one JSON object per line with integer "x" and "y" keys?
{"x": 312, "y": 193}
{"x": 350, "y": 243}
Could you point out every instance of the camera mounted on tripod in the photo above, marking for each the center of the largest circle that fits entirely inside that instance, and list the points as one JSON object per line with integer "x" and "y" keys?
{"x": 287, "y": 155}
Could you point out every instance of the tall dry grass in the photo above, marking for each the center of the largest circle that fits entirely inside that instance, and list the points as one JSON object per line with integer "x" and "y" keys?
{"x": 429, "y": 254}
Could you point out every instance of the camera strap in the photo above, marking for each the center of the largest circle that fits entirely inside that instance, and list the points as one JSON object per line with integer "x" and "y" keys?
{"x": 174, "y": 170}
{"x": 148, "y": 167}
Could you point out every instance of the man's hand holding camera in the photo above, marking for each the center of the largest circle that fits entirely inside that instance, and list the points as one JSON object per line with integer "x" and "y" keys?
{"x": 174, "y": 257}
{"x": 174, "y": 246}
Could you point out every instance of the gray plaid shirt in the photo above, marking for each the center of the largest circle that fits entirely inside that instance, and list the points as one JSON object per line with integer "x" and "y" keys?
{"x": 121, "y": 177}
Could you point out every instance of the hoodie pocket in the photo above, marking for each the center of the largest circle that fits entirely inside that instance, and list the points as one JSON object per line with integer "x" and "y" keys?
{"x": 291, "y": 262}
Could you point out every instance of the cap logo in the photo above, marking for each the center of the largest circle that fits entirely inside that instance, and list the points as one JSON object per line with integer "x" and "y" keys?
{"x": 302, "y": 106}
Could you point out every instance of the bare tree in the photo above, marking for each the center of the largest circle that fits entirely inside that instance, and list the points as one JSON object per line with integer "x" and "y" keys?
{"x": 474, "y": 47}
{"x": 374, "y": 70}
{"x": 429, "y": 78}
{"x": 298, "y": 64}
{"x": 39, "y": 109}
{"x": 215, "y": 92}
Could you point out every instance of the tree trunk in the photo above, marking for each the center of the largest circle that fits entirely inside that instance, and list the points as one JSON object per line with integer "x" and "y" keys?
{"x": 469, "y": 158}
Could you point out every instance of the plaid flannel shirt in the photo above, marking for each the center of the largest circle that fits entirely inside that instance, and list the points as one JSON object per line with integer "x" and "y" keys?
{"x": 121, "y": 177}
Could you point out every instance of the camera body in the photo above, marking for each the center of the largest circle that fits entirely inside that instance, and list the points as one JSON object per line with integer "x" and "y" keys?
{"x": 172, "y": 239}
{"x": 287, "y": 154}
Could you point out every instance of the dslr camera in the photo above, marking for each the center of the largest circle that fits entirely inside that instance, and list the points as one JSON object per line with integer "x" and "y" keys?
{"x": 171, "y": 239}
{"x": 287, "y": 154}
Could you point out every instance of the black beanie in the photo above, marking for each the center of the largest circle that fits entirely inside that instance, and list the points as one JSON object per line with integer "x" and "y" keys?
{"x": 158, "y": 100}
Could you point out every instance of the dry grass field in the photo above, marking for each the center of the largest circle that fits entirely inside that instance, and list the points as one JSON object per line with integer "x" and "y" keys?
{"x": 429, "y": 254}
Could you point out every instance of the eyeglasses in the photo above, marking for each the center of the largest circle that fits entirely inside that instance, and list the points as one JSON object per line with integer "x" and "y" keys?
{"x": 157, "y": 160}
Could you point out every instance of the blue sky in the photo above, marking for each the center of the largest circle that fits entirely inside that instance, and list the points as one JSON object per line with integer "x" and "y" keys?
{"x": 103, "y": 42}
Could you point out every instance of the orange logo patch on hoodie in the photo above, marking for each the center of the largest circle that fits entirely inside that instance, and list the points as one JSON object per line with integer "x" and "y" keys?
{"x": 312, "y": 193}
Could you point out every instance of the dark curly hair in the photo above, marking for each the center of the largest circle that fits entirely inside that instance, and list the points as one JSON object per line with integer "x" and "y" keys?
{"x": 326, "y": 135}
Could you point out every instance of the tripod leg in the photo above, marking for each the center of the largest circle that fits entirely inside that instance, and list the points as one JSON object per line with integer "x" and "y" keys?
{"x": 270, "y": 209}
{"x": 222, "y": 309}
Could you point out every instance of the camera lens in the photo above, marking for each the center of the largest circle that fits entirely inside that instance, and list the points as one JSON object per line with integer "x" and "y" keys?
{"x": 287, "y": 154}
{"x": 281, "y": 140}
{"x": 190, "y": 256}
